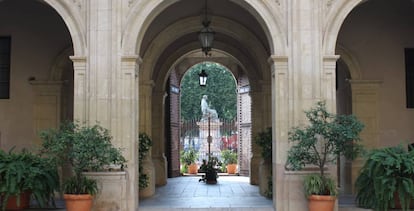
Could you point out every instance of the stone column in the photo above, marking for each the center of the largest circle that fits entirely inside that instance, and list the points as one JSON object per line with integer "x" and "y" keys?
{"x": 80, "y": 103}
{"x": 261, "y": 102}
{"x": 158, "y": 149}
{"x": 280, "y": 122}
{"x": 365, "y": 106}
{"x": 128, "y": 124}
{"x": 329, "y": 82}
{"x": 145, "y": 125}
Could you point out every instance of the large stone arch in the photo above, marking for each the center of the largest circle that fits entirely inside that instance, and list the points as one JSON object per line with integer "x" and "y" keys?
{"x": 143, "y": 13}
{"x": 191, "y": 25}
{"x": 73, "y": 20}
{"x": 335, "y": 17}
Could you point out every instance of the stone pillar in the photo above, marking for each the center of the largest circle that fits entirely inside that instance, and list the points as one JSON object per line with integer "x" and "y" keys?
{"x": 280, "y": 122}
{"x": 158, "y": 136}
{"x": 145, "y": 125}
{"x": 365, "y": 106}
{"x": 257, "y": 115}
{"x": 261, "y": 102}
{"x": 80, "y": 103}
{"x": 128, "y": 125}
{"x": 329, "y": 82}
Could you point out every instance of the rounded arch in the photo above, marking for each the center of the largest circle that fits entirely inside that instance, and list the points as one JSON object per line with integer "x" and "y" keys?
{"x": 350, "y": 61}
{"x": 72, "y": 18}
{"x": 336, "y": 17}
{"x": 234, "y": 30}
{"x": 60, "y": 62}
{"x": 143, "y": 13}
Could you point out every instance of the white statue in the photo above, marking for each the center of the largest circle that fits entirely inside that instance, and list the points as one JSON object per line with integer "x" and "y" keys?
{"x": 206, "y": 110}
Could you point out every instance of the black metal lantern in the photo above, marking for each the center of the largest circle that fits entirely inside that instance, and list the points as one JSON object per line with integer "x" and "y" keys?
{"x": 203, "y": 77}
{"x": 206, "y": 35}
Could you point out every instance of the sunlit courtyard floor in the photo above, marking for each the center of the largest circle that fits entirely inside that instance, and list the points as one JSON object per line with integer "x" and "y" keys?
{"x": 187, "y": 192}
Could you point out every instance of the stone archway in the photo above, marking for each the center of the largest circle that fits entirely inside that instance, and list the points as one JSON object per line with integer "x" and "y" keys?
{"x": 270, "y": 17}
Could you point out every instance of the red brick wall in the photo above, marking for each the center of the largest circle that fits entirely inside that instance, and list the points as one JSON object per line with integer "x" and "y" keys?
{"x": 174, "y": 126}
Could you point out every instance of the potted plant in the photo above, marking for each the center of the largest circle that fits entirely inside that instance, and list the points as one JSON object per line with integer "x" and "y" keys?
{"x": 84, "y": 148}
{"x": 25, "y": 174}
{"x": 386, "y": 180}
{"x": 210, "y": 168}
{"x": 188, "y": 158}
{"x": 321, "y": 142}
{"x": 264, "y": 140}
{"x": 230, "y": 160}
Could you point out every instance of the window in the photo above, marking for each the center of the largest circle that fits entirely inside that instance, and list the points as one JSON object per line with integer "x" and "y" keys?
{"x": 5, "y": 46}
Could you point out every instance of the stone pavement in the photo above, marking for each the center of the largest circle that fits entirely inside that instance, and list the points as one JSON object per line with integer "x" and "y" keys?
{"x": 230, "y": 193}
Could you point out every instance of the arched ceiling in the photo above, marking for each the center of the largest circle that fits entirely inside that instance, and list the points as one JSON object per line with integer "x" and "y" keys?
{"x": 238, "y": 33}
{"x": 193, "y": 8}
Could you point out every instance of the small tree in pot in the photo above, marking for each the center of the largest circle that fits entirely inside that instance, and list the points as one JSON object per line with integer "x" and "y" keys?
{"x": 84, "y": 148}
{"x": 230, "y": 160}
{"x": 327, "y": 137}
{"x": 188, "y": 158}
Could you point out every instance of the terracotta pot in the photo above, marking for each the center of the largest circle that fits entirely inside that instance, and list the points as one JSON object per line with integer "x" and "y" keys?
{"x": 231, "y": 168}
{"x": 192, "y": 169}
{"x": 321, "y": 203}
{"x": 78, "y": 202}
{"x": 24, "y": 201}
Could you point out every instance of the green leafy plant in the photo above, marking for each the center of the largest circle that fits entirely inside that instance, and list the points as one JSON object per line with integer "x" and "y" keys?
{"x": 322, "y": 141}
{"x": 85, "y": 148}
{"x": 229, "y": 157}
{"x": 210, "y": 168}
{"x": 145, "y": 144}
{"x": 387, "y": 173}
{"x": 25, "y": 171}
{"x": 188, "y": 157}
{"x": 75, "y": 185}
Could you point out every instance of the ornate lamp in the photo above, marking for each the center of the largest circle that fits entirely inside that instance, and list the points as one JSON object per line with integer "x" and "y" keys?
{"x": 206, "y": 35}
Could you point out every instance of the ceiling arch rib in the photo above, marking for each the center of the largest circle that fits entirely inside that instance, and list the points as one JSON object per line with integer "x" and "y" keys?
{"x": 247, "y": 42}
{"x": 145, "y": 14}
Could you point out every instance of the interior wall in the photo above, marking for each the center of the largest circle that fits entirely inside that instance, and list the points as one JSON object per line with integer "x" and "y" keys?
{"x": 38, "y": 35}
{"x": 376, "y": 33}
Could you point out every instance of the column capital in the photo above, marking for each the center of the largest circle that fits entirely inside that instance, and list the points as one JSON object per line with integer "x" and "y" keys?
{"x": 131, "y": 58}
{"x": 331, "y": 58}
{"x": 78, "y": 58}
{"x": 277, "y": 58}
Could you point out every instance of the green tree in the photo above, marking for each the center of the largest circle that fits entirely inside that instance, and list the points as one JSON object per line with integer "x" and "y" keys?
{"x": 221, "y": 91}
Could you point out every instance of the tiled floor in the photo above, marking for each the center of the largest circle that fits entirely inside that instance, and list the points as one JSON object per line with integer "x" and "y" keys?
{"x": 186, "y": 192}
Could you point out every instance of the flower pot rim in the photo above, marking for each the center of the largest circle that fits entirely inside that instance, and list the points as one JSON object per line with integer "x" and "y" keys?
{"x": 77, "y": 196}
{"x": 322, "y": 197}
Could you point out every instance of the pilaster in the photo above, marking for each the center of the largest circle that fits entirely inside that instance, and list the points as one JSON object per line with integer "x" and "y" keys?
{"x": 128, "y": 124}
{"x": 329, "y": 81}
{"x": 281, "y": 123}
{"x": 80, "y": 98}
{"x": 145, "y": 125}
{"x": 365, "y": 106}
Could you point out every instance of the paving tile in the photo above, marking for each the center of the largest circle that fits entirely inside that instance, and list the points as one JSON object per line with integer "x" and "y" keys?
{"x": 230, "y": 193}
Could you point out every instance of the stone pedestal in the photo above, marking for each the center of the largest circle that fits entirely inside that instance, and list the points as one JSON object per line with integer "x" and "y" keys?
{"x": 215, "y": 134}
